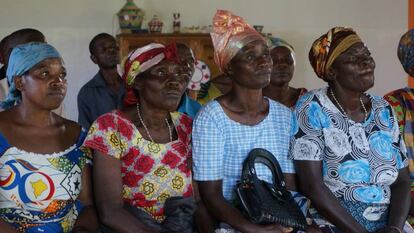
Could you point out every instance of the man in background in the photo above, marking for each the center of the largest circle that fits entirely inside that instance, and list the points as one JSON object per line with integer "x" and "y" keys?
{"x": 104, "y": 92}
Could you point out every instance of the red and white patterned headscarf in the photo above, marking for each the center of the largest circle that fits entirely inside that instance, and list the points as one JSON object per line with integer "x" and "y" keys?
{"x": 141, "y": 60}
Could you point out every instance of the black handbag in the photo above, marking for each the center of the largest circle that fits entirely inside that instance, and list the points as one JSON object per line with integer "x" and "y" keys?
{"x": 266, "y": 203}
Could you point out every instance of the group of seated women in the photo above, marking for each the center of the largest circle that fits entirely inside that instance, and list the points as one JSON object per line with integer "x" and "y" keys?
{"x": 148, "y": 168}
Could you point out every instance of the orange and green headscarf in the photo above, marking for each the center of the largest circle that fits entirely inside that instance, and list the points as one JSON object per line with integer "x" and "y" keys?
{"x": 230, "y": 34}
{"x": 329, "y": 46}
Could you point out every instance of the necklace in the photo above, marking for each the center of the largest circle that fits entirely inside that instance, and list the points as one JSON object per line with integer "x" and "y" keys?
{"x": 146, "y": 129}
{"x": 342, "y": 109}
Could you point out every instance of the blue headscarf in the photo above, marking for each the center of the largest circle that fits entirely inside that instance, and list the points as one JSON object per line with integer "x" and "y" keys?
{"x": 406, "y": 51}
{"x": 22, "y": 59}
{"x": 274, "y": 42}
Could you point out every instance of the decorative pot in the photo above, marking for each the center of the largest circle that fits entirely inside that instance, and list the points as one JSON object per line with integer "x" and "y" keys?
{"x": 155, "y": 25}
{"x": 130, "y": 17}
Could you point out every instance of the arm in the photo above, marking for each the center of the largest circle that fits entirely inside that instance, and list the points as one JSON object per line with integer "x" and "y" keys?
{"x": 108, "y": 196}
{"x": 290, "y": 180}
{"x": 6, "y": 228}
{"x": 412, "y": 206}
{"x": 400, "y": 199}
{"x": 311, "y": 185}
{"x": 211, "y": 193}
{"x": 87, "y": 220}
{"x": 205, "y": 222}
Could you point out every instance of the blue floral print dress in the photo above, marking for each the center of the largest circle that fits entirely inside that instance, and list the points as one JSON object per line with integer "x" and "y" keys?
{"x": 360, "y": 160}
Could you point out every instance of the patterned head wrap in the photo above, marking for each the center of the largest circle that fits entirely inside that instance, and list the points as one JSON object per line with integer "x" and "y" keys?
{"x": 274, "y": 42}
{"x": 141, "y": 60}
{"x": 22, "y": 59}
{"x": 406, "y": 51}
{"x": 329, "y": 46}
{"x": 230, "y": 34}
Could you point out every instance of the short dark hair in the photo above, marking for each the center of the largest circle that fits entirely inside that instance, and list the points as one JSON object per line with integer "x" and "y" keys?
{"x": 95, "y": 39}
{"x": 3, "y": 48}
{"x": 18, "y": 37}
{"x": 3, "y": 42}
{"x": 30, "y": 34}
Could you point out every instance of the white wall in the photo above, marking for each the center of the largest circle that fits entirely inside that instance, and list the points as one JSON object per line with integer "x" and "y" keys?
{"x": 69, "y": 25}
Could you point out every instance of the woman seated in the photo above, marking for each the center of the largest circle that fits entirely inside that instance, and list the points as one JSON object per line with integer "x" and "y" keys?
{"x": 187, "y": 104}
{"x": 142, "y": 169}
{"x": 228, "y": 128}
{"x": 217, "y": 86}
{"x": 44, "y": 176}
{"x": 349, "y": 156}
{"x": 283, "y": 57}
{"x": 402, "y": 101}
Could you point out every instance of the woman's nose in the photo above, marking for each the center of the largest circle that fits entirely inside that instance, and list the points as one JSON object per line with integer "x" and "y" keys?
{"x": 368, "y": 62}
{"x": 265, "y": 62}
{"x": 59, "y": 81}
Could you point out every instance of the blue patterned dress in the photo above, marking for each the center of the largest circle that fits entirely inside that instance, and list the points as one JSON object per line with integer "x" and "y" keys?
{"x": 360, "y": 160}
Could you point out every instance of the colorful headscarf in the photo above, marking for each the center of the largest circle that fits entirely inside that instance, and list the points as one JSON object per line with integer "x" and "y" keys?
{"x": 406, "y": 51}
{"x": 274, "y": 42}
{"x": 141, "y": 60}
{"x": 329, "y": 46}
{"x": 230, "y": 34}
{"x": 22, "y": 59}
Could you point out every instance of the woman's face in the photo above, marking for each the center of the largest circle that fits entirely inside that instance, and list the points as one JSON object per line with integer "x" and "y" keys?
{"x": 186, "y": 58}
{"x": 354, "y": 69}
{"x": 44, "y": 84}
{"x": 163, "y": 85}
{"x": 252, "y": 66}
{"x": 283, "y": 65}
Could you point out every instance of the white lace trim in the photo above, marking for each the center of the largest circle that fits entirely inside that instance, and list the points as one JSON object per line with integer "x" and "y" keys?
{"x": 52, "y": 155}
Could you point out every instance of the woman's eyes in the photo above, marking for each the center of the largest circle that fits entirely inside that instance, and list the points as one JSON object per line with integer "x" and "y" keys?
{"x": 44, "y": 74}
{"x": 252, "y": 57}
{"x": 62, "y": 75}
{"x": 161, "y": 73}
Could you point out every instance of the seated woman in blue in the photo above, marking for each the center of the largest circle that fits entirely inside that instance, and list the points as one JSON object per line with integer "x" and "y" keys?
{"x": 350, "y": 158}
{"x": 229, "y": 127}
{"x": 44, "y": 177}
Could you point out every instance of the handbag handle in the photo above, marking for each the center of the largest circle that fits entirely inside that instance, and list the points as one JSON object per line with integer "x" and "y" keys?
{"x": 260, "y": 155}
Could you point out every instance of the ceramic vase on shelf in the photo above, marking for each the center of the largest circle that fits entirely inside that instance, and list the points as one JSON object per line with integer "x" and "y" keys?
{"x": 130, "y": 17}
{"x": 155, "y": 25}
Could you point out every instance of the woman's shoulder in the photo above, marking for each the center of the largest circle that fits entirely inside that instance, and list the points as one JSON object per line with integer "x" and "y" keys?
{"x": 182, "y": 118}
{"x": 400, "y": 92}
{"x": 73, "y": 130}
{"x": 315, "y": 95}
{"x": 210, "y": 110}
{"x": 278, "y": 109}
{"x": 7, "y": 118}
{"x": 110, "y": 120}
{"x": 114, "y": 114}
